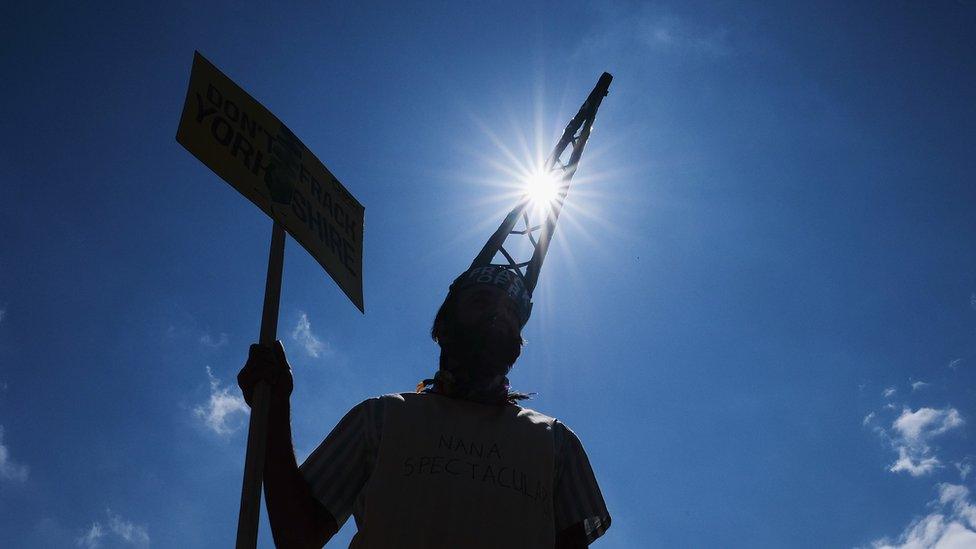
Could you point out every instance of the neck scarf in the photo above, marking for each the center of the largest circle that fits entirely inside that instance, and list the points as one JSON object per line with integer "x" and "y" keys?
{"x": 461, "y": 384}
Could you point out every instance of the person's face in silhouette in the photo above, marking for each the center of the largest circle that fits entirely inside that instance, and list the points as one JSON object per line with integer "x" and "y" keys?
{"x": 489, "y": 324}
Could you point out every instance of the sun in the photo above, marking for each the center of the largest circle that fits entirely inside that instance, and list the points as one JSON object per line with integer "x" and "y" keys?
{"x": 542, "y": 187}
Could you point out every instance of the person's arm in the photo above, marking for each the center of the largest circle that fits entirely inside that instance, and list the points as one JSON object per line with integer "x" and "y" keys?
{"x": 580, "y": 514}
{"x": 573, "y": 537}
{"x": 297, "y": 518}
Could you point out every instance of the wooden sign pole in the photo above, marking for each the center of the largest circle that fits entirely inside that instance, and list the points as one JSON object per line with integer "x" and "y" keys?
{"x": 257, "y": 432}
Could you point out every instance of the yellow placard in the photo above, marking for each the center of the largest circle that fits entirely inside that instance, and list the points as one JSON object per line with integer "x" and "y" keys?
{"x": 248, "y": 147}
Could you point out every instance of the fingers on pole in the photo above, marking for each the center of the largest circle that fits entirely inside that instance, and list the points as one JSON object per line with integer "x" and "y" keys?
{"x": 279, "y": 351}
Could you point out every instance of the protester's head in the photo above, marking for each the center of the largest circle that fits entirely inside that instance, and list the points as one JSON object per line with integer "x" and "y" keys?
{"x": 480, "y": 322}
{"x": 479, "y": 330}
{"x": 480, "y": 326}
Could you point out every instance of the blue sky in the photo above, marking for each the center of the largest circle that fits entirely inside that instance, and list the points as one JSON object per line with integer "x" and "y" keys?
{"x": 758, "y": 312}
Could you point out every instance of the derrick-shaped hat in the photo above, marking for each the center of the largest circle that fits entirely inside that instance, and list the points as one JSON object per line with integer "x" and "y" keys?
{"x": 497, "y": 264}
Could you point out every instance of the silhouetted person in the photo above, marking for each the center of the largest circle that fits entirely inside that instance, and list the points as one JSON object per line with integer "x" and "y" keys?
{"x": 458, "y": 464}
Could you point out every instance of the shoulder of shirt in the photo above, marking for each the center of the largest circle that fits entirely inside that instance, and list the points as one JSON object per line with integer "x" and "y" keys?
{"x": 526, "y": 413}
{"x": 376, "y": 407}
{"x": 380, "y": 400}
{"x": 537, "y": 417}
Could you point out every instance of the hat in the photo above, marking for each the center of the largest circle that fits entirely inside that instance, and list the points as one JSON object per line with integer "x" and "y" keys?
{"x": 510, "y": 281}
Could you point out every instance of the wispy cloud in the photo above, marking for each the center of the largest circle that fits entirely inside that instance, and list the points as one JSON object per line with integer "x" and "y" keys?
{"x": 8, "y": 469}
{"x": 965, "y": 467}
{"x": 119, "y": 530}
{"x": 213, "y": 342}
{"x": 670, "y": 33}
{"x": 867, "y": 419}
{"x": 972, "y": 300}
{"x": 223, "y": 411}
{"x": 128, "y": 532}
{"x": 647, "y": 28}
{"x": 913, "y": 432}
{"x": 302, "y": 333}
{"x": 952, "y": 523}
{"x": 92, "y": 537}
{"x": 889, "y": 392}
{"x": 954, "y": 363}
{"x": 918, "y": 385}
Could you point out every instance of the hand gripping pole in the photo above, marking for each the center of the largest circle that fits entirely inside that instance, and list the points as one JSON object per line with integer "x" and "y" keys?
{"x": 257, "y": 431}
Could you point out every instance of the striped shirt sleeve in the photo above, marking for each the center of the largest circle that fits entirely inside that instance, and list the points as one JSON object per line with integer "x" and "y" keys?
{"x": 338, "y": 469}
{"x": 577, "y": 498}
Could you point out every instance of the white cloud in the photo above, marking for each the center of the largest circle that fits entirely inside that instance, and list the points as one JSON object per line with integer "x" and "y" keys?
{"x": 965, "y": 467}
{"x": 309, "y": 341}
{"x": 954, "y": 363}
{"x": 889, "y": 392}
{"x": 120, "y": 530}
{"x": 93, "y": 537}
{"x": 914, "y": 431}
{"x": 213, "y": 342}
{"x": 8, "y": 469}
{"x": 926, "y": 422}
{"x": 867, "y": 419}
{"x": 919, "y": 385}
{"x": 132, "y": 534}
{"x": 913, "y": 463}
{"x": 222, "y": 411}
{"x": 951, "y": 524}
